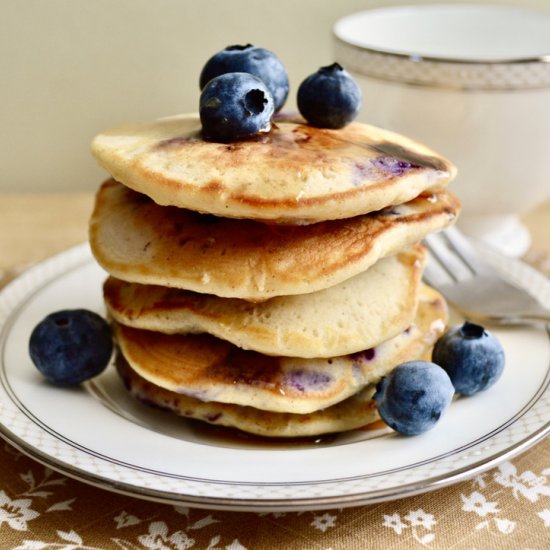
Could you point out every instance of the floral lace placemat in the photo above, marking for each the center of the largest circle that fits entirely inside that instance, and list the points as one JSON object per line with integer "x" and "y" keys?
{"x": 508, "y": 507}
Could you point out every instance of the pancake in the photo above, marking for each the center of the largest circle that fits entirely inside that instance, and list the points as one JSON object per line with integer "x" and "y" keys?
{"x": 351, "y": 316}
{"x": 136, "y": 240}
{"x": 210, "y": 369}
{"x": 354, "y": 412}
{"x": 296, "y": 173}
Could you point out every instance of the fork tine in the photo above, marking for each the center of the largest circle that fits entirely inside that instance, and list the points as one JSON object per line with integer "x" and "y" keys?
{"x": 463, "y": 248}
{"x": 445, "y": 256}
{"x": 434, "y": 274}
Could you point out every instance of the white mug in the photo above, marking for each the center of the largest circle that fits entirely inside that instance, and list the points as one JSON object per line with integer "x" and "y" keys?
{"x": 472, "y": 82}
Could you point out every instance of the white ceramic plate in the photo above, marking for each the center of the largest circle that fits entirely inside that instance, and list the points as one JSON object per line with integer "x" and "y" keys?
{"x": 99, "y": 435}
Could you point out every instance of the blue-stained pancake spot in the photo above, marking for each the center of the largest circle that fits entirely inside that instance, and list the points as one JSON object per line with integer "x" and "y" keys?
{"x": 382, "y": 168}
{"x": 304, "y": 380}
{"x": 365, "y": 355}
{"x": 392, "y": 166}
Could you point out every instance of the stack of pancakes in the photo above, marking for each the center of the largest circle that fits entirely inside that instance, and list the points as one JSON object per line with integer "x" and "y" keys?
{"x": 268, "y": 284}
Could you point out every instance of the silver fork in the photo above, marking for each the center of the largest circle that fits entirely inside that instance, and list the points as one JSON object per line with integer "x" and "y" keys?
{"x": 474, "y": 287}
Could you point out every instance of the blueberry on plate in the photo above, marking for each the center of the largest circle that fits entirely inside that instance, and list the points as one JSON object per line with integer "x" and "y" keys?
{"x": 71, "y": 346}
{"x": 329, "y": 98}
{"x": 249, "y": 59}
{"x": 233, "y": 106}
{"x": 413, "y": 397}
{"x": 472, "y": 357}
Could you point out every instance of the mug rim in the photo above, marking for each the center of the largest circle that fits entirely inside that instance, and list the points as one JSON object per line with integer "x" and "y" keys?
{"x": 420, "y": 58}
{"x": 529, "y": 72}
{"x": 543, "y": 57}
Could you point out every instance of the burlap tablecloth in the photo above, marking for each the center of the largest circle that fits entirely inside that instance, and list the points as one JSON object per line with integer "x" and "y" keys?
{"x": 507, "y": 507}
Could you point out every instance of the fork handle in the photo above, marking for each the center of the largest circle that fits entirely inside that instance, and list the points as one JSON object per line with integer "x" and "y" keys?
{"x": 536, "y": 315}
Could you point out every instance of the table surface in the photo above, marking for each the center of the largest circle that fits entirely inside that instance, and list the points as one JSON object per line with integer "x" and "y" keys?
{"x": 508, "y": 507}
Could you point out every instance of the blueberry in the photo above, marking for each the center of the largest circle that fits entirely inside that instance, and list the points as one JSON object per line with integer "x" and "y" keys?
{"x": 329, "y": 98}
{"x": 71, "y": 346}
{"x": 412, "y": 397}
{"x": 235, "y": 105}
{"x": 249, "y": 59}
{"x": 472, "y": 357}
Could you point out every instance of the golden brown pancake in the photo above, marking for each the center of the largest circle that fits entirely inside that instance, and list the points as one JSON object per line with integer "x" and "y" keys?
{"x": 136, "y": 240}
{"x": 348, "y": 317}
{"x": 209, "y": 369}
{"x": 354, "y": 412}
{"x": 296, "y": 173}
